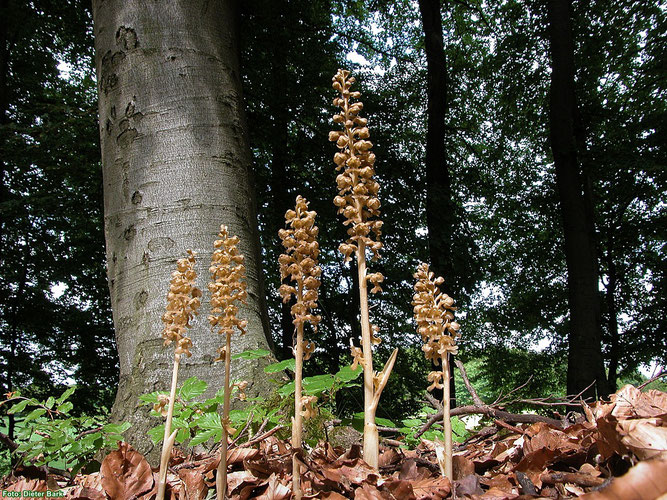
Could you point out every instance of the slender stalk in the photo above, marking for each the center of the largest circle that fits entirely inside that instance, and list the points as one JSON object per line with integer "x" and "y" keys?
{"x": 446, "y": 418}
{"x": 298, "y": 408}
{"x": 168, "y": 440}
{"x": 299, "y": 263}
{"x": 371, "y": 437}
{"x": 221, "y": 477}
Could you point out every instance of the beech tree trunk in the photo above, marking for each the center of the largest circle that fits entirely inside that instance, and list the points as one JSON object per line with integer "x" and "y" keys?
{"x": 585, "y": 362}
{"x": 440, "y": 209}
{"x": 176, "y": 165}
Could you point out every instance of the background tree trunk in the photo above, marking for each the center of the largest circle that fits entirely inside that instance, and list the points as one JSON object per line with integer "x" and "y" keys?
{"x": 176, "y": 165}
{"x": 440, "y": 209}
{"x": 585, "y": 362}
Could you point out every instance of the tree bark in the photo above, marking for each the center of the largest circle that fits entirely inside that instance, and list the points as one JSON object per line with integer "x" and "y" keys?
{"x": 612, "y": 318}
{"x": 176, "y": 165}
{"x": 440, "y": 209}
{"x": 585, "y": 362}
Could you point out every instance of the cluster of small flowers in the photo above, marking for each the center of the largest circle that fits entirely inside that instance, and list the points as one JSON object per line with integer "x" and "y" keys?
{"x": 227, "y": 286}
{"x": 434, "y": 315}
{"x": 357, "y": 189}
{"x": 183, "y": 300}
{"x": 299, "y": 263}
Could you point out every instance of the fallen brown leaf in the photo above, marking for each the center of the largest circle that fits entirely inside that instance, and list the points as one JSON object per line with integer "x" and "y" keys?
{"x": 125, "y": 473}
{"x": 85, "y": 493}
{"x": 275, "y": 490}
{"x": 193, "y": 483}
{"x": 645, "y": 481}
{"x": 27, "y": 485}
{"x": 432, "y": 488}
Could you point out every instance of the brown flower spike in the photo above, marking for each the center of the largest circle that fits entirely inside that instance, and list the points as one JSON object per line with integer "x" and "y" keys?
{"x": 183, "y": 300}
{"x": 227, "y": 287}
{"x": 299, "y": 263}
{"x": 357, "y": 189}
{"x": 434, "y": 316}
{"x": 358, "y": 202}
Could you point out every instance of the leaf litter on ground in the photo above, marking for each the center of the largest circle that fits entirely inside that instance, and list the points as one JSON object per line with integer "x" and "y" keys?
{"x": 616, "y": 450}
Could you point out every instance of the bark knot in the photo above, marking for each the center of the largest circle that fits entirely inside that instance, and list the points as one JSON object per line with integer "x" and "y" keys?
{"x": 127, "y": 38}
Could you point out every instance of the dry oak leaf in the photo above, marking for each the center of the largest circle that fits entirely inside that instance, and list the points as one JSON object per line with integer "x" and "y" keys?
{"x": 24, "y": 484}
{"x": 275, "y": 490}
{"x": 241, "y": 479}
{"x": 193, "y": 484}
{"x": 238, "y": 455}
{"x": 496, "y": 494}
{"x": 431, "y": 488}
{"x": 85, "y": 493}
{"x": 126, "y": 474}
{"x": 645, "y": 481}
{"x": 331, "y": 495}
{"x": 400, "y": 489}
{"x": 646, "y": 437}
{"x": 370, "y": 492}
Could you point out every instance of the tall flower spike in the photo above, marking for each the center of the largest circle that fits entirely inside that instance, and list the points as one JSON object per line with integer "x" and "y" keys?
{"x": 227, "y": 287}
{"x": 357, "y": 189}
{"x": 183, "y": 300}
{"x": 299, "y": 263}
{"x": 227, "y": 284}
{"x": 358, "y": 202}
{"x": 434, "y": 316}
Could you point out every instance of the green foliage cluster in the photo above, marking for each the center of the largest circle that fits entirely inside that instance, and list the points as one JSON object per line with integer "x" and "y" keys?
{"x": 48, "y": 434}
{"x": 198, "y": 422}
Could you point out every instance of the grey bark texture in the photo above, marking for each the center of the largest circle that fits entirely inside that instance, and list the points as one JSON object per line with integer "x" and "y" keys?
{"x": 177, "y": 164}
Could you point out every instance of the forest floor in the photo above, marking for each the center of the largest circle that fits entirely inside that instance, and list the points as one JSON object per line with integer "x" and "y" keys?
{"x": 615, "y": 450}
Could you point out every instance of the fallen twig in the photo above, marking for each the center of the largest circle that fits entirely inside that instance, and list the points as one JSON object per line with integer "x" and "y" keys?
{"x": 489, "y": 411}
{"x": 257, "y": 439}
{"x": 585, "y": 480}
{"x": 660, "y": 374}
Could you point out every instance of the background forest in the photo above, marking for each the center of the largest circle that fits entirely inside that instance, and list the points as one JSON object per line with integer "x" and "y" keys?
{"x": 495, "y": 189}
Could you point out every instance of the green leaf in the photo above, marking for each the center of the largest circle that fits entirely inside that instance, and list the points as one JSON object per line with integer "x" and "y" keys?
{"x": 182, "y": 435}
{"x": 156, "y": 433}
{"x": 151, "y": 397}
{"x": 65, "y": 395}
{"x": 50, "y": 402}
{"x": 252, "y": 354}
{"x": 38, "y": 412}
{"x": 202, "y": 437}
{"x": 317, "y": 384}
{"x": 117, "y": 428}
{"x": 287, "y": 364}
{"x": 66, "y": 407}
{"x": 347, "y": 374}
{"x": 192, "y": 388}
{"x": 19, "y": 407}
{"x": 238, "y": 416}
{"x": 412, "y": 422}
{"x": 286, "y": 389}
{"x": 210, "y": 421}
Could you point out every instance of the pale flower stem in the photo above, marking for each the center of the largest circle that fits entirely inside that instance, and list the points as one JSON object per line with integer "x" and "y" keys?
{"x": 167, "y": 442}
{"x": 446, "y": 418}
{"x": 221, "y": 477}
{"x": 298, "y": 417}
{"x": 371, "y": 438}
